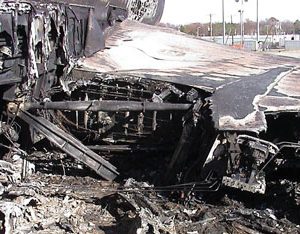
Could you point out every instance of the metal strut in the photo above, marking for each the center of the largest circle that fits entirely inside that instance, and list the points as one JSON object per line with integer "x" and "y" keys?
{"x": 70, "y": 145}
{"x": 108, "y": 106}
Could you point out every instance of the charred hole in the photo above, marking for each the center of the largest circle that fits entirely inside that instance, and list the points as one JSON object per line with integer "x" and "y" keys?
{"x": 5, "y": 39}
{"x": 283, "y": 127}
{"x": 39, "y": 52}
{"x": 23, "y": 41}
{"x": 284, "y": 131}
{"x": 60, "y": 53}
{"x": 53, "y": 34}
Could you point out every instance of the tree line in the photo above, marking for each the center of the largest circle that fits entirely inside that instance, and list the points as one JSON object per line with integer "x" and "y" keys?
{"x": 270, "y": 26}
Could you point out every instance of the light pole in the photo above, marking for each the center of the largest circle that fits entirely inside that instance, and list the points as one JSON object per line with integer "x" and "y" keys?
{"x": 241, "y": 26}
{"x": 211, "y": 26}
{"x": 257, "y": 21}
{"x": 241, "y": 11}
{"x": 224, "y": 26}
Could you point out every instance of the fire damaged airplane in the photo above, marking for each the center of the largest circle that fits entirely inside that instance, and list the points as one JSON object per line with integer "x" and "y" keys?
{"x": 98, "y": 78}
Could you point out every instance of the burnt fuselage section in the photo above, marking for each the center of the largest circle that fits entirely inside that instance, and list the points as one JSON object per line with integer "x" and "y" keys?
{"x": 207, "y": 125}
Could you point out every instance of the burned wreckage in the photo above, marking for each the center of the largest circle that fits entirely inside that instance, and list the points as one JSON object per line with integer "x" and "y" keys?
{"x": 98, "y": 79}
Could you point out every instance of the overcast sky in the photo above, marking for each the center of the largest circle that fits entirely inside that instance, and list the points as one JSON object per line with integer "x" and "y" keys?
{"x": 189, "y": 11}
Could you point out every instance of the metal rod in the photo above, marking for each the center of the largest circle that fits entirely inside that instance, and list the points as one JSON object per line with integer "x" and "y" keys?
{"x": 108, "y": 106}
{"x": 129, "y": 148}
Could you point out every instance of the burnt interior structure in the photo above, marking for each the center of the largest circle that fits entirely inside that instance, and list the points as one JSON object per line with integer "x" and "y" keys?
{"x": 213, "y": 119}
{"x": 111, "y": 122}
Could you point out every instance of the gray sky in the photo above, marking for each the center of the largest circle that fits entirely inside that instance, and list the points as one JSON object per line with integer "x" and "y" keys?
{"x": 188, "y": 11}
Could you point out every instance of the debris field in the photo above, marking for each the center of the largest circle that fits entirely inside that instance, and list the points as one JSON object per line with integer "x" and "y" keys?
{"x": 110, "y": 123}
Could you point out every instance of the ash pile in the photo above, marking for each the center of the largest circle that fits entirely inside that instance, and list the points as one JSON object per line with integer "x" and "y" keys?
{"x": 47, "y": 192}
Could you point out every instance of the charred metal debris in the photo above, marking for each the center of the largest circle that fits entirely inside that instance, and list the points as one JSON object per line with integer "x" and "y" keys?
{"x": 204, "y": 139}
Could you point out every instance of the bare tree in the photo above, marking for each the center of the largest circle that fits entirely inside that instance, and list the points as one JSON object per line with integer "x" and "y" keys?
{"x": 269, "y": 26}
